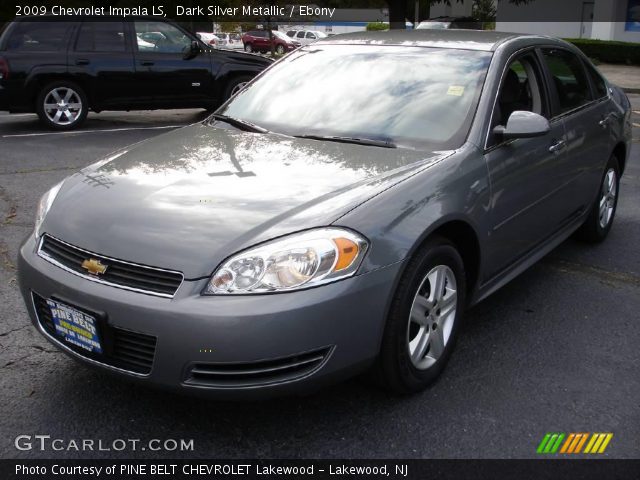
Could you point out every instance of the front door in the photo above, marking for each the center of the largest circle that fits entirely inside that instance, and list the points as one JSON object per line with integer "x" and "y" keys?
{"x": 166, "y": 71}
{"x": 527, "y": 174}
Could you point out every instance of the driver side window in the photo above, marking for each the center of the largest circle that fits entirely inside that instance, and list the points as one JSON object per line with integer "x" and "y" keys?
{"x": 520, "y": 89}
{"x": 160, "y": 37}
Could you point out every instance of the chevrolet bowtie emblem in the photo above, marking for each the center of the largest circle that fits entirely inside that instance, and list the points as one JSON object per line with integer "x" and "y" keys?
{"x": 94, "y": 266}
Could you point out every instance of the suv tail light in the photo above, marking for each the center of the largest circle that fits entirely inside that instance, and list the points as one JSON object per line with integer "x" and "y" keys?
{"x": 4, "y": 69}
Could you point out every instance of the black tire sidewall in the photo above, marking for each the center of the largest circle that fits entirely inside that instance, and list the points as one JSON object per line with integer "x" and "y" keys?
{"x": 397, "y": 369}
{"x": 45, "y": 91}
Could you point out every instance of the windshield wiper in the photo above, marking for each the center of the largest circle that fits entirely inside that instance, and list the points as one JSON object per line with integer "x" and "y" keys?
{"x": 241, "y": 124}
{"x": 360, "y": 141}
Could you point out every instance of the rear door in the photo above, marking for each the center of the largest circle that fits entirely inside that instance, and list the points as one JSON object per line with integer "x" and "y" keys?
{"x": 527, "y": 175}
{"x": 165, "y": 69}
{"x": 584, "y": 106}
{"x": 102, "y": 60}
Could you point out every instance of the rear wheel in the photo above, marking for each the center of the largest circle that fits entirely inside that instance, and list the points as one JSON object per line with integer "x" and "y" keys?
{"x": 424, "y": 319}
{"x": 600, "y": 219}
{"x": 62, "y": 105}
{"x": 280, "y": 49}
{"x": 248, "y": 48}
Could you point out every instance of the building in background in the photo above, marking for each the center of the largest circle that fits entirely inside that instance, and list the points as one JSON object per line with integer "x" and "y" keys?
{"x": 596, "y": 19}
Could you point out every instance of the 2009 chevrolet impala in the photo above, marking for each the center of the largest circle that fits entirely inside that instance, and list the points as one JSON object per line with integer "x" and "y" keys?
{"x": 338, "y": 214}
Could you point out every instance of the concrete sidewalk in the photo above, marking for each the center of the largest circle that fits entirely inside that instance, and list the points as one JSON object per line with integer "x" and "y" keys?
{"x": 625, "y": 76}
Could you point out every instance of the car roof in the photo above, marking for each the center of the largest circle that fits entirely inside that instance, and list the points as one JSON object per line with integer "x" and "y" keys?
{"x": 461, "y": 39}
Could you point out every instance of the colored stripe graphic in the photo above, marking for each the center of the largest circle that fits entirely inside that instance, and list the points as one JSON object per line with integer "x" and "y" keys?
{"x": 551, "y": 442}
{"x": 598, "y": 442}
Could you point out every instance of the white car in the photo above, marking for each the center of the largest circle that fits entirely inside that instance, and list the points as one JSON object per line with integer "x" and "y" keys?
{"x": 305, "y": 37}
{"x": 211, "y": 39}
{"x": 233, "y": 41}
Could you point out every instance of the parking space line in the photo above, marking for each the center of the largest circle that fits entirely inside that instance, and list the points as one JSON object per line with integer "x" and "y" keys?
{"x": 89, "y": 131}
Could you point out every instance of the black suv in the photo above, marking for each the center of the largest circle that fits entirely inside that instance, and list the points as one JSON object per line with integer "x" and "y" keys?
{"x": 61, "y": 69}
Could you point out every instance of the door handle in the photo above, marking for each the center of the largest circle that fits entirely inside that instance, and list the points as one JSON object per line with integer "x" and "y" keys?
{"x": 559, "y": 145}
{"x": 146, "y": 63}
{"x": 605, "y": 120}
{"x": 82, "y": 61}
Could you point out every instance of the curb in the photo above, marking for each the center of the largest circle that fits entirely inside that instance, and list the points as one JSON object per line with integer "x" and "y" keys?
{"x": 631, "y": 89}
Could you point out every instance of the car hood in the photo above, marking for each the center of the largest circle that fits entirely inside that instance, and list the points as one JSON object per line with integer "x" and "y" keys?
{"x": 188, "y": 199}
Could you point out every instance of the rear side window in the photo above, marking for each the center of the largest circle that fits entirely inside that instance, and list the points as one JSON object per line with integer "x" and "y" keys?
{"x": 101, "y": 37}
{"x": 598, "y": 82}
{"x": 569, "y": 78}
{"x": 39, "y": 36}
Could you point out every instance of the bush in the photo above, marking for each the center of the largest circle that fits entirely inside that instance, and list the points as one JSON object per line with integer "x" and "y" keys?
{"x": 609, "y": 51}
{"x": 374, "y": 26}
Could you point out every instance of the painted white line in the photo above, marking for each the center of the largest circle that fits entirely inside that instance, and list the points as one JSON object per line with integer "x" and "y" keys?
{"x": 90, "y": 131}
{"x": 636, "y": 125}
{"x": 637, "y": 112}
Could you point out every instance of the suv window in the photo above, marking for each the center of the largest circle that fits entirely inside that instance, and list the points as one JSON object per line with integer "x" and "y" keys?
{"x": 291, "y": 33}
{"x": 311, "y": 35}
{"x": 599, "y": 84}
{"x": 39, "y": 36}
{"x": 300, "y": 34}
{"x": 569, "y": 79}
{"x": 101, "y": 37}
{"x": 161, "y": 37}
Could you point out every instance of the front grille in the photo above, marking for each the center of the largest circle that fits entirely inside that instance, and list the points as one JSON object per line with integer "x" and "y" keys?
{"x": 124, "y": 349}
{"x": 256, "y": 373}
{"x": 119, "y": 273}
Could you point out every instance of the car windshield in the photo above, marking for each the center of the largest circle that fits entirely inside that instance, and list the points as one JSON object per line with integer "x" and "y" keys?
{"x": 415, "y": 97}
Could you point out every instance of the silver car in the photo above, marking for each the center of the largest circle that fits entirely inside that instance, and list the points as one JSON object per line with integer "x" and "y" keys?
{"x": 337, "y": 215}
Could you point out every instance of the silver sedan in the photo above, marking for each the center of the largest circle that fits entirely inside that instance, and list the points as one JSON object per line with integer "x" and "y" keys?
{"x": 337, "y": 215}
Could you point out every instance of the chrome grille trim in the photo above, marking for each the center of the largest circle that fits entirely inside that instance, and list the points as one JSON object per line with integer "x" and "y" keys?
{"x": 44, "y": 255}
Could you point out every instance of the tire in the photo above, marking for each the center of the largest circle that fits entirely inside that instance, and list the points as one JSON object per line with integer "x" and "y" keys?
{"x": 280, "y": 50}
{"x": 248, "y": 48}
{"x": 597, "y": 225}
{"x": 401, "y": 367}
{"x": 234, "y": 85}
{"x": 62, "y": 105}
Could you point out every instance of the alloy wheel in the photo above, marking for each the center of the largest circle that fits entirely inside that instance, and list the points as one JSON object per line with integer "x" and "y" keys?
{"x": 63, "y": 106}
{"x": 432, "y": 316}
{"x": 608, "y": 197}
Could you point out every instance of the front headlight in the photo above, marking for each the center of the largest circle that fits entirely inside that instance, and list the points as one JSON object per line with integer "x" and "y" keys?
{"x": 44, "y": 205}
{"x": 297, "y": 261}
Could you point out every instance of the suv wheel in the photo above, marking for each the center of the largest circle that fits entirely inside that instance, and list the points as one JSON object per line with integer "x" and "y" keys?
{"x": 280, "y": 49}
{"x": 234, "y": 86}
{"x": 62, "y": 105}
{"x": 598, "y": 223}
{"x": 424, "y": 319}
{"x": 248, "y": 48}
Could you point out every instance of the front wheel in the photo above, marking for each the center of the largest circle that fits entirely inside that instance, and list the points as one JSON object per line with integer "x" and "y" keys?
{"x": 280, "y": 50}
{"x": 600, "y": 219}
{"x": 248, "y": 48}
{"x": 234, "y": 86}
{"x": 62, "y": 105}
{"x": 424, "y": 319}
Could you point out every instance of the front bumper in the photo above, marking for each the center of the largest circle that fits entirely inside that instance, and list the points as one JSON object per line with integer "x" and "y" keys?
{"x": 344, "y": 320}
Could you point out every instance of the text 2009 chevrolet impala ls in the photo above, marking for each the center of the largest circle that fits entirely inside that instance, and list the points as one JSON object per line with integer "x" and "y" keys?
{"x": 338, "y": 214}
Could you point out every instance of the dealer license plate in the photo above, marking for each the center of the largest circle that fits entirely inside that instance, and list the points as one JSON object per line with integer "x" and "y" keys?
{"x": 75, "y": 327}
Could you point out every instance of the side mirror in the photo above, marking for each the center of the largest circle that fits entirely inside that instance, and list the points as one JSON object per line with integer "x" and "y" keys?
{"x": 523, "y": 124}
{"x": 193, "y": 50}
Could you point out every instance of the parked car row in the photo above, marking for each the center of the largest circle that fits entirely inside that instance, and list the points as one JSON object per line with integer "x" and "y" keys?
{"x": 61, "y": 70}
{"x": 231, "y": 41}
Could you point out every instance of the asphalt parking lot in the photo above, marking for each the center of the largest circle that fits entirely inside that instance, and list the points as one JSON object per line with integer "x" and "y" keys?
{"x": 554, "y": 351}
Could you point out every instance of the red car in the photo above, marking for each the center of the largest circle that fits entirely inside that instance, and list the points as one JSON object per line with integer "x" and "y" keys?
{"x": 259, "y": 41}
